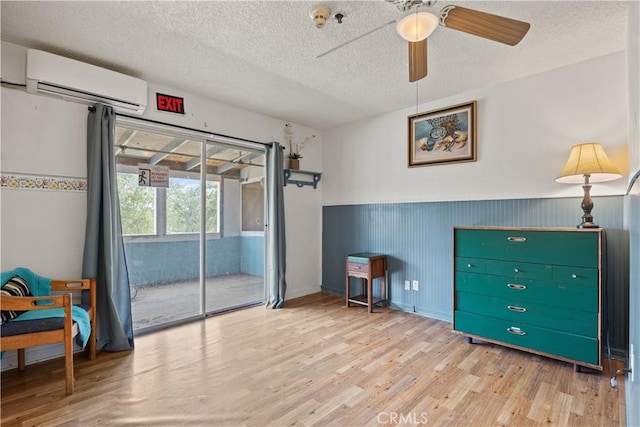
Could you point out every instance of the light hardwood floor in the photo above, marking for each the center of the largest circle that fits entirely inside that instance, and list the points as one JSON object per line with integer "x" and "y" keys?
{"x": 314, "y": 362}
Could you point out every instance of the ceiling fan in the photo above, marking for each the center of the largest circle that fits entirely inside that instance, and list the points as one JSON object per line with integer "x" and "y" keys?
{"x": 417, "y": 25}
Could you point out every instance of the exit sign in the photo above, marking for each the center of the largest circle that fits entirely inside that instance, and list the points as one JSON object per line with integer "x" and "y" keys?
{"x": 169, "y": 103}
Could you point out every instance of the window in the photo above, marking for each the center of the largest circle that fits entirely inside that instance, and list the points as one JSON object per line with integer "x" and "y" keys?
{"x": 175, "y": 212}
{"x": 183, "y": 206}
{"x": 137, "y": 206}
{"x": 141, "y": 207}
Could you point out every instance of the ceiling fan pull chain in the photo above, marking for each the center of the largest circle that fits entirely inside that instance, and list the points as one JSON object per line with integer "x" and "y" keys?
{"x": 417, "y": 82}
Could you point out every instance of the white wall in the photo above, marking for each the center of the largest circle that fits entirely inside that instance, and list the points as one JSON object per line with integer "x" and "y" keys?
{"x": 525, "y": 131}
{"x": 303, "y": 212}
{"x": 44, "y": 230}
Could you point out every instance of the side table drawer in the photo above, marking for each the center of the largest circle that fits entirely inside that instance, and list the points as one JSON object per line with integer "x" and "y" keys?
{"x": 354, "y": 267}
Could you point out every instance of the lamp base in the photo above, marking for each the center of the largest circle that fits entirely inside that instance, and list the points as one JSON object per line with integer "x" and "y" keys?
{"x": 587, "y": 225}
{"x": 587, "y": 205}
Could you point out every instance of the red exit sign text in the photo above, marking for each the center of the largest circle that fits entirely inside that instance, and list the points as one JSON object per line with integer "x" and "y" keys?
{"x": 172, "y": 104}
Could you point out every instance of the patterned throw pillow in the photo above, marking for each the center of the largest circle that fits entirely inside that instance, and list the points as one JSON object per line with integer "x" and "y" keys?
{"x": 15, "y": 287}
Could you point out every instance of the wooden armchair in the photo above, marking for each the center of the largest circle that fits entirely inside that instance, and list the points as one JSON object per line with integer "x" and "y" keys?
{"x": 18, "y": 335}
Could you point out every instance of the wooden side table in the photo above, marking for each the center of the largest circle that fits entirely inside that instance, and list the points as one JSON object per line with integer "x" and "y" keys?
{"x": 367, "y": 266}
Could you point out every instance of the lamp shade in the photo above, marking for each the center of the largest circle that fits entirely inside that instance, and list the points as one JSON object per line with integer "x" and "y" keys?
{"x": 588, "y": 159}
{"x": 416, "y": 26}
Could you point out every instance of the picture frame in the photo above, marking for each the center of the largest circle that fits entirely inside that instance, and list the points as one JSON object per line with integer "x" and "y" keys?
{"x": 443, "y": 136}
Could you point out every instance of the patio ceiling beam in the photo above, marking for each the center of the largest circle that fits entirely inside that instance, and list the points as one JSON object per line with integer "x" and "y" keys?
{"x": 196, "y": 162}
{"x": 169, "y": 148}
{"x": 232, "y": 164}
{"x": 242, "y": 160}
{"x": 223, "y": 168}
{"x": 124, "y": 139}
{"x": 251, "y": 157}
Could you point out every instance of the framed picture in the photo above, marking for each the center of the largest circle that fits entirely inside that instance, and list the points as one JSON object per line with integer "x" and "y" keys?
{"x": 443, "y": 136}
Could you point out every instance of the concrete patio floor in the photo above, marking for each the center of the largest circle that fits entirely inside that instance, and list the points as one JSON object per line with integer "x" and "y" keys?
{"x": 162, "y": 303}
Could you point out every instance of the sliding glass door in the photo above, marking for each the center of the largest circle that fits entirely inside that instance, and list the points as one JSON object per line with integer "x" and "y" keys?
{"x": 235, "y": 264}
{"x": 186, "y": 252}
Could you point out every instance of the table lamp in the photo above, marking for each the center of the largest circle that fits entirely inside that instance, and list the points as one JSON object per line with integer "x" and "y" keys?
{"x": 587, "y": 162}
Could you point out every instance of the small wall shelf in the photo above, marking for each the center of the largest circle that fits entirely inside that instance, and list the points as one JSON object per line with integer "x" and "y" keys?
{"x": 288, "y": 174}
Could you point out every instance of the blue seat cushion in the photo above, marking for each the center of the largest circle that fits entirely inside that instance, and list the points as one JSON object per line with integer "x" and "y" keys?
{"x": 20, "y": 327}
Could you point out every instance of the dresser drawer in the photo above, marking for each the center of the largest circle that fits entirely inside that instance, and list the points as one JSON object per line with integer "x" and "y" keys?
{"x": 519, "y": 270}
{"x": 576, "y": 275}
{"x": 574, "y": 297}
{"x": 472, "y": 265}
{"x": 570, "y": 346}
{"x": 515, "y": 310}
{"x": 576, "y": 248}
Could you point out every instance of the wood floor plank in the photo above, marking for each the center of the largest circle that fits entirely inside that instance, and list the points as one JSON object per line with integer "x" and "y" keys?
{"x": 314, "y": 362}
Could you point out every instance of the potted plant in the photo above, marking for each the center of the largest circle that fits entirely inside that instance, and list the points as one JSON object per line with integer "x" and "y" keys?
{"x": 294, "y": 155}
{"x": 294, "y": 160}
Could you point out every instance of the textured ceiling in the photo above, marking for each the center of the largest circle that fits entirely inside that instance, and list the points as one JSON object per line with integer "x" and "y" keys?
{"x": 261, "y": 55}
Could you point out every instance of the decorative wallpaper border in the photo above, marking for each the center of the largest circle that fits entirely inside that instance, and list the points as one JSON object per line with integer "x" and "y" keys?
{"x": 25, "y": 181}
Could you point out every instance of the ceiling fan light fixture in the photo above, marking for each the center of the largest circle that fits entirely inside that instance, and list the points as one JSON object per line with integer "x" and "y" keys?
{"x": 416, "y": 26}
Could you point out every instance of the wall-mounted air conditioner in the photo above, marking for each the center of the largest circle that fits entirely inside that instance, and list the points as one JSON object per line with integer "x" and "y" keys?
{"x": 70, "y": 79}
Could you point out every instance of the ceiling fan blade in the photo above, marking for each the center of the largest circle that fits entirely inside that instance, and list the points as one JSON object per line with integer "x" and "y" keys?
{"x": 357, "y": 38}
{"x": 493, "y": 27}
{"x": 417, "y": 60}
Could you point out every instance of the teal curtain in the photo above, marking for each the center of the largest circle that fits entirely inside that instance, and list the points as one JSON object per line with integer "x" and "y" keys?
{"x": 104, "y": 256}
{"x": 276, "y": 253}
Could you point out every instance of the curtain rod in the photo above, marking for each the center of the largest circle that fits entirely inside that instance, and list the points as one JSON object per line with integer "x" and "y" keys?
{"x": 187, "y": 128}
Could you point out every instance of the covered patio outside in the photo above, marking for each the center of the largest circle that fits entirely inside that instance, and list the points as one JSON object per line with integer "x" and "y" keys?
{"x": 153, "y": 305}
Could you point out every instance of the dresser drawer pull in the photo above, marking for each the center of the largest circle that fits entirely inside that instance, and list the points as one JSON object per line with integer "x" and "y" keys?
{"x": 516, "y": 331}
{"x": 516, "y": 270}
{"x": 573, "y": 276}
{"x": 516, "y": 308}
{"x": 469, "y": 265}
{"x": 516, "y": 287}
{"x": 517, "y": 239}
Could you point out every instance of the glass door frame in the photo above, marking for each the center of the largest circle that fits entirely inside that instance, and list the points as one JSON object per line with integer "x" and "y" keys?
{"x": 206, "y": 140}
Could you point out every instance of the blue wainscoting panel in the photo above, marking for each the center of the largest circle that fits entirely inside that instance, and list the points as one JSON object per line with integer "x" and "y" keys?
{"x": 252, "y": 255}
{"x": 154, "y": 262}
{"x": 418, "y": 240}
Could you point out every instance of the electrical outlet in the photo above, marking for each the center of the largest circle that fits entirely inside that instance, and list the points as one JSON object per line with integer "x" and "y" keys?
{"x": 632, "y": 357}
{"x": 415, "y": 285}
{"x": 407, "y": 285}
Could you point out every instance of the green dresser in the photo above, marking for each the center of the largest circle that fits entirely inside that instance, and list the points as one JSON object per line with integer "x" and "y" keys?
{"x": 534, "y": 289}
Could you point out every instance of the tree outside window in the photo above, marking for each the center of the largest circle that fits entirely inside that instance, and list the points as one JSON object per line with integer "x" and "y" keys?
{"x": 137, "y": 206}
{"x": 183, "y": 206}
